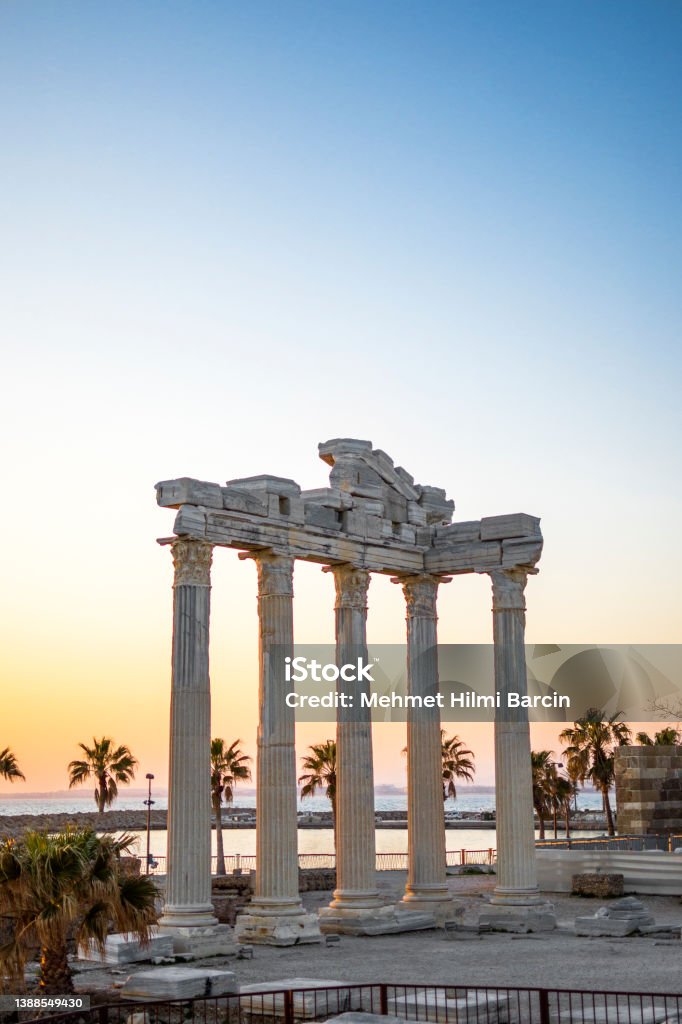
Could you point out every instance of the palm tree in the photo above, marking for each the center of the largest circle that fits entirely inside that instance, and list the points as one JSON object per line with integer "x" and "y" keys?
{"x": 591, "y": 742}
{"x": 228, "y": 766}
{"x": 552, "y": 792}
{"x": 667, "y": 737}
{"x": 64, "y": 884}
{"x": 458, "y": 763}
{"x": 562, "y": 795}
{"x": 320, "y": 767}
{"x": 107, "y": 765}
{"x": 9, "y": 769}
{"x": 543, "y": 770}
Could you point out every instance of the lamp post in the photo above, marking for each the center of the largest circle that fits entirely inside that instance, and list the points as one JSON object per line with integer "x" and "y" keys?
{"x": 149, "y": 803}
{"x": 557, "y": 764}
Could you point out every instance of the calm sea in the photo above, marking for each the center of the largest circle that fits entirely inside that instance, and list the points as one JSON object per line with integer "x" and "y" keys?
{"x": 310, "y": 840}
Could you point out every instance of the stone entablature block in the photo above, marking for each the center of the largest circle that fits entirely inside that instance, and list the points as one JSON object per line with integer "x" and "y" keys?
{"x": 372, "y": 514}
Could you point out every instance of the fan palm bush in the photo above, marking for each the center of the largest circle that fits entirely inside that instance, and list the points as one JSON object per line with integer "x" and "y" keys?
{"x": 69, "y": 884}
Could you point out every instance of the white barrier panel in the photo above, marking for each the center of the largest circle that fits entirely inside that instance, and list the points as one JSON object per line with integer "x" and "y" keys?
{"x": 650, "y": 872}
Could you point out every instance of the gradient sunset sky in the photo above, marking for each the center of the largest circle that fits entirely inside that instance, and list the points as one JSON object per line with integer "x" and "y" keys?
{"x": 234, "y": 229}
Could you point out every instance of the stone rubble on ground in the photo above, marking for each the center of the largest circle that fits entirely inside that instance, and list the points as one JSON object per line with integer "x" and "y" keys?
{"x": 122, "y": 949}
{"x": 625, "y": 917}
{"x": 179, "y": 983}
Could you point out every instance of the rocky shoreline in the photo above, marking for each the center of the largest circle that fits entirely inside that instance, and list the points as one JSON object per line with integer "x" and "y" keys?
{"x": 13, "y": 825}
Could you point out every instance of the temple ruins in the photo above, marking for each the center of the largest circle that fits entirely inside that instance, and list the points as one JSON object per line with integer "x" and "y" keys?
{"x": 372, "y": 517}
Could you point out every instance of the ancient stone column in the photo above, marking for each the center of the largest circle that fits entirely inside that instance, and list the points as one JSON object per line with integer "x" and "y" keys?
{"x": 355, "y": 840}
{"x": 516, "y": 867}
{"x": 276, "y": 916}
{"x": 426, "y": 887}
{"x": 188, "y": 885}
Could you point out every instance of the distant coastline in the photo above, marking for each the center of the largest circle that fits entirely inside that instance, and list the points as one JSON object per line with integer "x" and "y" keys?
{"x": 134, "y": 791}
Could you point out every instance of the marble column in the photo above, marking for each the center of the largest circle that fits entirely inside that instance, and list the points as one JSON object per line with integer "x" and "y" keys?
{"x": 276, "y": 915}
{"x": 426, "y": 887}
{"x": 355, "y": 837}
{"x": 188, "y": 884}
{"x": 516, "y": 866}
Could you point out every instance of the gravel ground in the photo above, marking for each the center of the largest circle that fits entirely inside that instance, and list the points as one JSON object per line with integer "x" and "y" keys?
{"x": 555, "y": 960}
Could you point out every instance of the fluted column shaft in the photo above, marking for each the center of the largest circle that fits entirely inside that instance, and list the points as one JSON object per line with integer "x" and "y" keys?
{"x": 188, "y": 884}
{"x": 516, "y": 865}
{"x": 276, "y": 813}
{"x": 355, "y": 838}
{"x": 426, "y": 872}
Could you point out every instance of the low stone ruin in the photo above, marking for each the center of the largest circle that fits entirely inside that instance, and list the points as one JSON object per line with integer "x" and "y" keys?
{"x": 596, "y": 884}
{"x": 628, "y": 916}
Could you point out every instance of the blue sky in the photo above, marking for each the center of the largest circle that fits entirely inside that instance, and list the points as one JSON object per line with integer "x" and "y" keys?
{"x": 232, "y": 230}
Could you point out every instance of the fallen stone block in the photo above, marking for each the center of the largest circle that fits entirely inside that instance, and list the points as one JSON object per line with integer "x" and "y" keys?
{"x": 179, "y": 983}
{"x": 307, "y": 1001}
{"x": 464, "y": 1007}
{"x": 520, "y": 921}
{"x": 604, "y": 926}
{"x": 358, "y": 1017}
{"x": 122, "y": 949}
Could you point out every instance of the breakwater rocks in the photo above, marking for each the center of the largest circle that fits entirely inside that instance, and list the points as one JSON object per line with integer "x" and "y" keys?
{"x": 13, "y": 825}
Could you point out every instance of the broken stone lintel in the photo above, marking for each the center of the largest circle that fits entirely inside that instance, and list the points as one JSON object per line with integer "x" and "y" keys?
{"x": 472, "y": 556}
{"x": 304, "y": 542}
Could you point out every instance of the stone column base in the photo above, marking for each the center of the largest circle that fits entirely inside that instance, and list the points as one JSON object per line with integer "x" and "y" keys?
{"x": 444, "y": 910}
{"x": 277, "y": 929}
{"x": 195, "y": 915}
{"x": 348, "y": 899}
{"x": 384, "y": 920}
{"x": 502, "y": 897}
{"x": 518, "y": 919}
{"x": 215, "y": 940}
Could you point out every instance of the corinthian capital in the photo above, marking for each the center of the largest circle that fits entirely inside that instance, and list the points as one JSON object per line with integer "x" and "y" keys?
{"x": 351, "y": 586}
{"x": 275, "y": 574}
{"x": 421, "y": 593}
{"x": 192, "y": 561}
{"x": 508, "y": 588}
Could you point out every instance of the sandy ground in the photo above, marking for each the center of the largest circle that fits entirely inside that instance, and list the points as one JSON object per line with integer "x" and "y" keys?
{"x": 554, "y": 960}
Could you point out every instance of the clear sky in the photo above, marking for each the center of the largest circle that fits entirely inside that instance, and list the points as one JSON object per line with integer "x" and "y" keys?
{"x": 232, "y": 230}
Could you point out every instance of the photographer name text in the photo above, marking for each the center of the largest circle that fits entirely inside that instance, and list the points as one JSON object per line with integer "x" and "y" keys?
{"x": 339, "y": 699}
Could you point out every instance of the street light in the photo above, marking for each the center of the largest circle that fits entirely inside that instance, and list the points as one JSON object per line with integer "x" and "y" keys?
{"x": 149, "y": 803}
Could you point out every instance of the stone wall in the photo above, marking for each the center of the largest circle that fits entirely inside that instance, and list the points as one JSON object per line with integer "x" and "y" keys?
{"x": 649, "y": 789}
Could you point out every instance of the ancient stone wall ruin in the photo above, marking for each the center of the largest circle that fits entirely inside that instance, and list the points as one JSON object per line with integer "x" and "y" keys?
{"x": 649, "y": 790}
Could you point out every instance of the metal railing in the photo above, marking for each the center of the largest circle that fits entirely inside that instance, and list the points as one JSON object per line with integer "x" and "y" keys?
{"x": 449, "y": 1004}
{"x": 660, "y": 841}
{"x": 384, "y": 861}
{"x": 398, "y": 861}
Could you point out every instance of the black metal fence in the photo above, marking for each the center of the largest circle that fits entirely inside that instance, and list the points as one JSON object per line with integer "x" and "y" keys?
{"x": 449, "y": 1004}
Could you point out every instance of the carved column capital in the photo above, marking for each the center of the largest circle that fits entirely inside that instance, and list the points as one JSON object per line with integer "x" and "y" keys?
{"x": 421, "y": 592}
{"x": 352, "y": 585}
{"x": 192, "y": 562}
{"x": 508, "y": 588}
{"x": 275, "y": 574}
